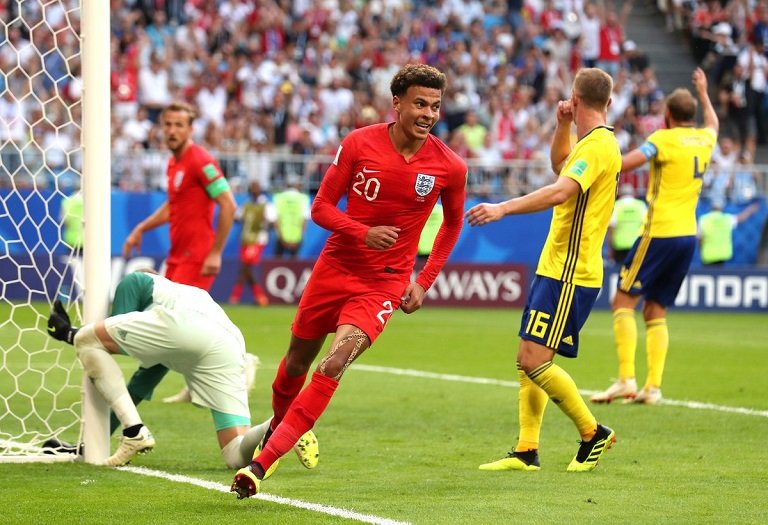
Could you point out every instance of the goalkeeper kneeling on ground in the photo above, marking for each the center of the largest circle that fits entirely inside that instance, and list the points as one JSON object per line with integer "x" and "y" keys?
{"x": 157, "y": 321}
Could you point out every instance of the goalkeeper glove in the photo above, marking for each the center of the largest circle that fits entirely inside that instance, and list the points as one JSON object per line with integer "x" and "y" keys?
{"x": 59, "y": 325}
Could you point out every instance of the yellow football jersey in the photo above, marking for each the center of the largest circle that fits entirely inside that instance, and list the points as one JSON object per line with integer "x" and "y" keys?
{"x": 677, "y": 169}
{"x": 573, "y": 250}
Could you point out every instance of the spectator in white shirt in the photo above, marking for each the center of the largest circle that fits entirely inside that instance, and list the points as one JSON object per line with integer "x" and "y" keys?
{"x": 212, "y": 100}
{"x": 137, "y": 128}
{"x": 590, "y": 35}
{"x": 335, "y": 99}
{"x": 752, "y": 58}
{"x": 154, "y": 87}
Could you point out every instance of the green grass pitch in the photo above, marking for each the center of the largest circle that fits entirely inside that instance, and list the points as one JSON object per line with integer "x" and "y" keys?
{"x": 405, "y": 447}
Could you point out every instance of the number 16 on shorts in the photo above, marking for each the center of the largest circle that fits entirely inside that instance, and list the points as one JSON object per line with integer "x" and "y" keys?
{"x": 538, "y": 323}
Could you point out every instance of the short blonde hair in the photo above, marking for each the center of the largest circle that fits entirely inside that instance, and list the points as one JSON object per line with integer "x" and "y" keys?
{"x": 682, "y": 105}
{"x": 593, "y": 86}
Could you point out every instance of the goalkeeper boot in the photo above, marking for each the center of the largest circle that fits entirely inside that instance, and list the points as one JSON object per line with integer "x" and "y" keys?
{"x": 307, "y": 449}
{"x": 246, "y": 483}
{"x": 649, "y": 395}
{"x": 56, "y": 446}
{"x": 527, "y": 460}
{"x": 591, "y": 451}
{"x": 621, "y": 388}
{"x": 142, "y": 443}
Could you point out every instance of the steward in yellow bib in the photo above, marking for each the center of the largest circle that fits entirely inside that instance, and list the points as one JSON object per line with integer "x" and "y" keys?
{"x": 292, "y": 212}
{"x": 626, "y": 222}
{"x": 716, "y": 233}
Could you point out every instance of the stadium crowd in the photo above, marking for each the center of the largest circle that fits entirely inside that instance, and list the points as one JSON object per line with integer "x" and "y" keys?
{"x": 729, "y": 39}
{"x": 295, "y": 77}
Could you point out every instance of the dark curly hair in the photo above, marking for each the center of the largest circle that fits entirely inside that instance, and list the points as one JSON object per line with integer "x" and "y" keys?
{"x": 416, "y": 75}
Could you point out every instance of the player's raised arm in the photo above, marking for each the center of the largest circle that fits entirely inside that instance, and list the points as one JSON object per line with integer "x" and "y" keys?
{"x": 708, "y": 111}
{"x": 561, "y": 139}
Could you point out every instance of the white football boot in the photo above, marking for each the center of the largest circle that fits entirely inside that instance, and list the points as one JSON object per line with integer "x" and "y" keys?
{"x": 621, "y": 388}
{"x": 647, "y": 396}
{"x": 130, "y": 446}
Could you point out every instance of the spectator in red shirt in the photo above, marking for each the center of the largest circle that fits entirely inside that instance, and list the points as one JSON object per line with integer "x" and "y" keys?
{"x": 124, "y": 82}
{"x": 612, "y": 38}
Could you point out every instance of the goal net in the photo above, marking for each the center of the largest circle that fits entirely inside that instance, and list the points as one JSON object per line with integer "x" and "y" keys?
{"x": 42, "y": 217}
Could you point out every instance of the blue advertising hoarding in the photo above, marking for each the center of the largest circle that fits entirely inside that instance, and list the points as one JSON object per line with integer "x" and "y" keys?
{"x": 459, "y": 284}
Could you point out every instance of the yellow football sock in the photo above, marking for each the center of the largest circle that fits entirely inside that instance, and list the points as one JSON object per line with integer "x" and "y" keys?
{"x": 561, "y": 389}
{"x": 625, "y": 335}
{"x": 532, "y": 402}
{"x": 656, "y": 345}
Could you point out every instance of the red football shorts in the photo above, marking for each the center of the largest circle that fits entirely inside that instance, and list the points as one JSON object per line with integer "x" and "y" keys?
{"x": 251, "y": 253}
{"x": 189, "y": 273}
{"x": 334, "y": 297}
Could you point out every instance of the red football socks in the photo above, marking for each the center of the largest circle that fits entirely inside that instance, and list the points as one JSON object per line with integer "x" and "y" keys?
{"x": 301, "y": 417}
{"x": 237, "y": 291}
{"x": 285, "y": 388}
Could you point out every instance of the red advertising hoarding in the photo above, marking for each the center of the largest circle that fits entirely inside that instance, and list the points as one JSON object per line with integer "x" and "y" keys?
{"x": 489, "y": 285}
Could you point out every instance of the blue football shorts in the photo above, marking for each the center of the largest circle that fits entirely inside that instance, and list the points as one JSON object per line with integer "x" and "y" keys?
{"x": 655, "y": 267}
{"x": 554, "y": 313}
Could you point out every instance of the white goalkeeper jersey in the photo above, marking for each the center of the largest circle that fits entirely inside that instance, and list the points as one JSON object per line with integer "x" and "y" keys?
{"x": 157, "y": 321}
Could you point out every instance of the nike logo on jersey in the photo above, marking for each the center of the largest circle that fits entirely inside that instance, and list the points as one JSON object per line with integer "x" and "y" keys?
{"x": 366, "y": 170}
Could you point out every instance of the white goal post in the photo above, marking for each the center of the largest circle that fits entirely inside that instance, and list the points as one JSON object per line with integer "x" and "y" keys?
{"x": 55, "y": 67}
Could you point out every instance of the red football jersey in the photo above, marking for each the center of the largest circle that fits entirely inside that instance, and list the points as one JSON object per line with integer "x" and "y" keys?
{"x": 383, "y": 189}
{"x": 194, "y": 181}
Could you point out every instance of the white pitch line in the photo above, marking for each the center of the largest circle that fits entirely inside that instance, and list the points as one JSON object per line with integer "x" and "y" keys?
{"x": 376, "y": 520}
{"x": 697, "y": 405}
{"x": 315, "y": 507}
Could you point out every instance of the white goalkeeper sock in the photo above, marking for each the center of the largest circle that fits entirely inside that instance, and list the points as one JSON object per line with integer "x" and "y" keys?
{"x": 106, "y": 375}
{"x": 239, "y": 452}
{"x": 232, "y": 454}
{"x": 252, "y": 438}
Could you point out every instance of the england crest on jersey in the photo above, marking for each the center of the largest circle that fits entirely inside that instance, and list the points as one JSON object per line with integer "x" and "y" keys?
{"x": 178, "y": 178}
{"x": 424, "y": 184}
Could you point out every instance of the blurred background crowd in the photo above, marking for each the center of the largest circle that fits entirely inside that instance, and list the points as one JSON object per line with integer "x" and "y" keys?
{"x": 287, "y": 80}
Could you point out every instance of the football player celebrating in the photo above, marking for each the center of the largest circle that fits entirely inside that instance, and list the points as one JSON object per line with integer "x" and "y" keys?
{"x": 392, "y": 174}
{"x": 657, "y": 263}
